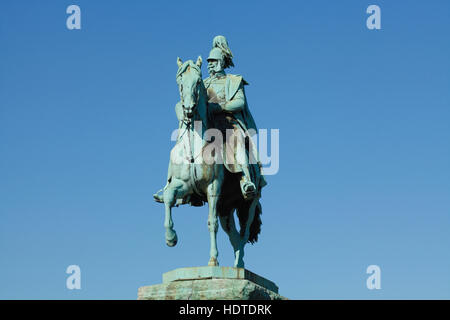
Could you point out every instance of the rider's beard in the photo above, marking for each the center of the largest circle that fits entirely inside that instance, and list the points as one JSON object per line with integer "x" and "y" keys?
{"x": 211, "y": 71}
{"x": 216, "y": 69}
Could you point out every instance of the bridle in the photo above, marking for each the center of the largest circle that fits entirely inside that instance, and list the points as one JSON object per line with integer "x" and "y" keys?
{"x": 188, "y": 122}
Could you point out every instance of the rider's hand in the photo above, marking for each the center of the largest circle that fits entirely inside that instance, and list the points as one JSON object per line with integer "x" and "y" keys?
{"x": 212, "y": 96}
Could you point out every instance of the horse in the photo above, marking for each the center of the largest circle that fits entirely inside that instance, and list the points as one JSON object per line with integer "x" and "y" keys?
{"x": 208, "y": 181}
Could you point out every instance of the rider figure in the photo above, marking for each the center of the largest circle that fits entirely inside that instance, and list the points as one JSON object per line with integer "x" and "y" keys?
{"x": 228, "y": 107}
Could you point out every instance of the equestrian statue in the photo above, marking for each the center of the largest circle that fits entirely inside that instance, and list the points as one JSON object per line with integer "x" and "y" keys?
{"x": 214, "y": 159}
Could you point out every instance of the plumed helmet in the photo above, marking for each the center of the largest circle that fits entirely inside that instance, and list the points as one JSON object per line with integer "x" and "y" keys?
{"x": 215, "y": 54}
{"x": 221, "y": 51}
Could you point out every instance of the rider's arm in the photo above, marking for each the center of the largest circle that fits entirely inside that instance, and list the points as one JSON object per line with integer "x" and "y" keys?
{"x": 237, "y": 103}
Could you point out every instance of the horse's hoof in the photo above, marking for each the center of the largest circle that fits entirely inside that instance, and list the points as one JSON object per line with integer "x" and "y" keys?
{"x": 173, "y": 241}
{"x": 213, "y": 262}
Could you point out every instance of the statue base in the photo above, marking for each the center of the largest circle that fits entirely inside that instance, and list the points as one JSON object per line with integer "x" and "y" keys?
{"x": 211, "y": 283}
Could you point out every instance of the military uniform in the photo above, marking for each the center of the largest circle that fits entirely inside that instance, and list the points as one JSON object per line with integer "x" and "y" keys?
{"x": 228, "y": 109}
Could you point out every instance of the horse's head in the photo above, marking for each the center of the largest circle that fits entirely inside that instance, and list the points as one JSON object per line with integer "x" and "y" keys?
{"x": 189, "y": 78}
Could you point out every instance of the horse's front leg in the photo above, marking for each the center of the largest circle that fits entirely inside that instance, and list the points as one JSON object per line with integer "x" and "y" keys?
{"x": 171, "y": 235}
{"x": 213, "y": 196}
{"x": 176, "y": 189}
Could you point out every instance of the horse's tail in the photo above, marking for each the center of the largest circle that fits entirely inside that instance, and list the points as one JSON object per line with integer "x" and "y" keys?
{"x": 255, "y": 227}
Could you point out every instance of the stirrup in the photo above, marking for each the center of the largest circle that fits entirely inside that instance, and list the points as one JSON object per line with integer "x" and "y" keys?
{"x": 248, "y": 189}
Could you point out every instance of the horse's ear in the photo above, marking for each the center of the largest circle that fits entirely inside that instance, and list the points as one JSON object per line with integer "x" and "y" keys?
{"x": 179, "y": 62}
{"x": 199, "y": 61}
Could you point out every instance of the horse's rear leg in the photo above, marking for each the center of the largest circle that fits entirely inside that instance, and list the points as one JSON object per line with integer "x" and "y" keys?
{"x": 229, "y": 226}
{"x": 246, "y": 233}
{"x": 176, "y": 189}
{"x": 213, "y": 195}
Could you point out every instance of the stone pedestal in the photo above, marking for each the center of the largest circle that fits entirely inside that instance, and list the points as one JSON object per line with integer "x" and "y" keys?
{"x": 211, "y": 283}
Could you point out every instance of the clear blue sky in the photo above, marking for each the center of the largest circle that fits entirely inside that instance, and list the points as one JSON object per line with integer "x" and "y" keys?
{"x": 364, "y": 120}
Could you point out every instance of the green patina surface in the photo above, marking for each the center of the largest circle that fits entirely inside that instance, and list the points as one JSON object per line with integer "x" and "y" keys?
{"x": 230, "y": 183}
{"x": 205, "y": 165}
